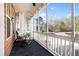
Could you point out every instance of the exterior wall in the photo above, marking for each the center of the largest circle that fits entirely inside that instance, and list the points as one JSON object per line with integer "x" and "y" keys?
{"x": 21, "y": 23}
{"x": 8, "y": 42}
{"x": 17, "y": 22}
{"x": 1, "y": 29}
{"x": 32, "y": 24}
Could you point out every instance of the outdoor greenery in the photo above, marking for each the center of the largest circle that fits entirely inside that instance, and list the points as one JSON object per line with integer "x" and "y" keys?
{"x": 58, "y": 25}
{"x": 77, "y": 23}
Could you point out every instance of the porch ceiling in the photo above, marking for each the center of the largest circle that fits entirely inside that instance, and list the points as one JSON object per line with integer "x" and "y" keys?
{"x": 27, "y": 8}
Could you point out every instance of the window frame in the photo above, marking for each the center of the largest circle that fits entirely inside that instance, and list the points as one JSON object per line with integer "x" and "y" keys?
{"x": 8, "y": 16}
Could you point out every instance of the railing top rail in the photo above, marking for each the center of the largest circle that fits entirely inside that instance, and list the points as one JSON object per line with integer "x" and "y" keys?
{"x": 68, "y": 38}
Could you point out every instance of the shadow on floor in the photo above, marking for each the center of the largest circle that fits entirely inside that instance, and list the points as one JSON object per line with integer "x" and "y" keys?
{"x": 33, "y": 49}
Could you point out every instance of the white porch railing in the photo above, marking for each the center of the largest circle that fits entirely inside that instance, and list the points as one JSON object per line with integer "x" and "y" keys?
{"x": 56, "y": 44}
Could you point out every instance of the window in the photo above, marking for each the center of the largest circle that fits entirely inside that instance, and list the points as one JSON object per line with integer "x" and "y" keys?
{"x": 42, "y": 21}
{"x": 8, "y": 9}
{"x": 59, "y": 18}
{"x": 7, "y": 20}
{"x": 8, "y": 27}
{"x": 77, "y": 18}
{"x": 76, "y": 29}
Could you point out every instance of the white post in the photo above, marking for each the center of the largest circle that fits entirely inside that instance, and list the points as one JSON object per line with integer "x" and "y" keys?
{"x": 73, "y": 27}
{"x": 73, "y": 19}
{"x": 46, "y": 25}
{"x": 14, "y": 27}
{"x": 38, "y": 22}
{"x": 47, "y": 16}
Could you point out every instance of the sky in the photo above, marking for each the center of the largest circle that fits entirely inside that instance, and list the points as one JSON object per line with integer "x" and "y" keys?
{"x": 58, "y": 10}
{"x": 77, "y": 9}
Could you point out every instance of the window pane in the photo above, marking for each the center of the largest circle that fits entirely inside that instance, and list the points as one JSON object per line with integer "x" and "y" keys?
{"x": 7, "y": 20}
{"x": 59, "y": 25}
{"x": 77, "y": 18}
{"x": 59, "y": 18}
{"x": 42, "y": 25}
{"x": 77, "y": 29}
{"x": 8, "y": 27}
{"x": 8, "y": 9}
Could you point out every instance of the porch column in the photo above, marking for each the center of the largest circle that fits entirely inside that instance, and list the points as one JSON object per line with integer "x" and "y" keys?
{"x": 47, "y": 25}
{"x": 73, "y": 27}
{"x": 22, "y": 22}
{"x": 47, "y": 16}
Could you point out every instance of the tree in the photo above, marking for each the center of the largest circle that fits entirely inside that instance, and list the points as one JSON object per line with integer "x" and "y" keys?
{"x": 39, "y": 21}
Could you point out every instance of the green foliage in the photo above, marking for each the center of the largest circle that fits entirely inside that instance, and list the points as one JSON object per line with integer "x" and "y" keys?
{"x": 61, "y": 25}
{"x": 77, "y": 28}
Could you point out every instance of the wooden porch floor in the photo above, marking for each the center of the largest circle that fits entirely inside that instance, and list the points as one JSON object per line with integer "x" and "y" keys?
{"x": 33, "y": 49}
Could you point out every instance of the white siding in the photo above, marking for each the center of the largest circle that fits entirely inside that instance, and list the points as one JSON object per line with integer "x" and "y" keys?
{"x": 1, "y": 28}
{"x": 21, "y": 23}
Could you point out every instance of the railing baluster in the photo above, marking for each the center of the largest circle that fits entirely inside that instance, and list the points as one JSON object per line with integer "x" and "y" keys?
{"x": 65, "y": 48}
{"x": 61, "y": 46}
{"x": 52, "y": 43}
{"x": 38, "y": 36}
{"x": 46, "y": 40}
{"x": 57, "y": 46}
{"x": 49, "y": 42}
{"x": 70, "y": 48}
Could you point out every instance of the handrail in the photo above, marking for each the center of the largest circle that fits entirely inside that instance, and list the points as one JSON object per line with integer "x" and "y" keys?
{"x": 68, "y": 38}
{"x": 56, "y": 43}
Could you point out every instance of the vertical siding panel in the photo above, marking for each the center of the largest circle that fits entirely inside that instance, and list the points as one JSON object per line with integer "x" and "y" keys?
{"x": 7, "y": 43}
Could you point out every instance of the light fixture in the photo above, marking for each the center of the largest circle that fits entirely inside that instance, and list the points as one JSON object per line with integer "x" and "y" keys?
{"x": 34, "y": 4}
